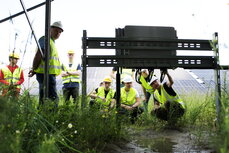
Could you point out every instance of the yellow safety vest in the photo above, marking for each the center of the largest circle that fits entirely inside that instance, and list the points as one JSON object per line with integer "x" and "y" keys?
{"x": 146, "y": 85}
{"x": 126, "y": 72}
{"x": 164, "y": 96}
{"x": 54, "y": 63}
{"x": 70, "y": 78}
{"x": 128, "y": 99}
{"x": 109, "y": 97}
{"x": 12, "y": 77}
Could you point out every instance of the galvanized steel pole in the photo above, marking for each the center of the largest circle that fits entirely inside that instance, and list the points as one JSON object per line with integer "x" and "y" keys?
{"x": 22, "y": 12}
{"x": 47, "y": 48}
{"x": 84, "y": 75}
{"x": 217, "y": 77}
{"x": 31, "y": 27}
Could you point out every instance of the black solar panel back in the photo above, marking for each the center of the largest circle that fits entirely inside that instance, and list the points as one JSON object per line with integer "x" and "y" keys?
{"x": 143, "y": 49}
{"x": 150, "y": 32}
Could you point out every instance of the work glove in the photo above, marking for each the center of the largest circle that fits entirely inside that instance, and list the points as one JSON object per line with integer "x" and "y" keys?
{"x": 31, "y": 73}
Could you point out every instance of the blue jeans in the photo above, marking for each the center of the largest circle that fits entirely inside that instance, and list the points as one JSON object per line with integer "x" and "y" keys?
{"x": 52, "y": 92}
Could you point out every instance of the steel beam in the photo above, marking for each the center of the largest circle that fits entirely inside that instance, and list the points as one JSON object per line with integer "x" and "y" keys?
{"x": 22, "y": 12}
{"x": 189, "y": 62}
{"x": 31, "y": 27}
{"x": 147, "y": 44}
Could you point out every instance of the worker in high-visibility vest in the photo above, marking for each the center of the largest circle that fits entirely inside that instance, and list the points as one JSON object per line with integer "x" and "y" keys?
{"x": 130, "y": 100}
{"x": 71, "y": 78}
{"x": 103, "y": 97}
{"x": 11, "y": 76}
{"x": 125, "y": 72}
{"x": 54, "y": 64}
{"x": 147, "y": 89}
{"x": 168, "y": 104}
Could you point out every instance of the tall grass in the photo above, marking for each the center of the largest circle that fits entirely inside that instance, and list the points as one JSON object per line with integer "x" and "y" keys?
{"x": 70, "y": 129}
{"x": 200, "y": 111}
{"x": 223, "y": 135}
{"x": 67, "y": 128}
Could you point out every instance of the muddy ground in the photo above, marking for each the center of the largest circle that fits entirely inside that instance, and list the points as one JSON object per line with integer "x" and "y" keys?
{"x": 166, "y": 140}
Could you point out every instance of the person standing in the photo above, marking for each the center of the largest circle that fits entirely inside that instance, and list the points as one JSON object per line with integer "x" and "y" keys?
{"x": 71, "y": 78}
{"x": 124, "y": 72}
{"x": 168, "y": 105}
{"x": 11, "y": 76}
{"x": 54, "y": 64}
{"x": 147, "y": 89}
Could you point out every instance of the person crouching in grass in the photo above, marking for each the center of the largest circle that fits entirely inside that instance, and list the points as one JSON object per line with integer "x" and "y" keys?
{"x": 130, "y": 100}
{"x": 103, "y": 96}
{"x": 168, "y": 105}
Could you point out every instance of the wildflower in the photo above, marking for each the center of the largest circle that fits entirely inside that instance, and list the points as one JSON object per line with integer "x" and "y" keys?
{"x": 38, "y": 132}
{"x": 75, "y": 131}
{"x": 69, "y": 125}
{"x": 57, "y": 121}
{"x": 17, "y": 131}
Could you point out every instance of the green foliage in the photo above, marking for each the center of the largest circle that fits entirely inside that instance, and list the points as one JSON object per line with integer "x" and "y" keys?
{"x": 67, "y": 128}
{"x": 223, "y": 137}
{"x": 70, "y": 128}
{"x": 200, "y": 111}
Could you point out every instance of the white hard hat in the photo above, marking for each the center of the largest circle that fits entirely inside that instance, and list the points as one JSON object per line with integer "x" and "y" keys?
{"x": 153, "y": 79}
{"x": 127, "y": 79}
{"x": 58, "y": 24}
{"x": 144, "y": 70}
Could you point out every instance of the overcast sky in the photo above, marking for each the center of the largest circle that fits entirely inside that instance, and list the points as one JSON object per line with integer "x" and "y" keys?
{"x": 193, "y": 19}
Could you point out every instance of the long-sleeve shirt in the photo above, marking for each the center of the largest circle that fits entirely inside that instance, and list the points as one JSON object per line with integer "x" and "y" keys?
{"x": 2, "y": 80}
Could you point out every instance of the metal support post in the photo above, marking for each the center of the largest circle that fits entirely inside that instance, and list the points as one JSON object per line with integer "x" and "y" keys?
{"x": 47, "y": 48}
{"x": 31, "y": 27}
{"x": 118, "y": 93}
{"x": 84, "y": 73}
{"x": 22, "y": 12}
{"x": 217, "y": 77}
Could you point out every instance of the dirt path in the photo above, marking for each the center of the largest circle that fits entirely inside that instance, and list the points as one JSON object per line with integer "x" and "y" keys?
{"x": 163, "y": 141}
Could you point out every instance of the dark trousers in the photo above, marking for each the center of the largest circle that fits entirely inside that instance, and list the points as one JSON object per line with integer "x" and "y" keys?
{"x": 147, "y": 100}
{"x": 147, "y": 97}
{"x": 133, "y": 114}
{"x": 170, "y": 111}
{"x": 68, "y": 92}
{"x": 52, "y": 92}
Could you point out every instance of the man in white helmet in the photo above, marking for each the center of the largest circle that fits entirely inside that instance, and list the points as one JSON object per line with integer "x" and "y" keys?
{"x": 168, "y": 105}
{"x": 54, "y": 64}
{"x": 130, "y": 99}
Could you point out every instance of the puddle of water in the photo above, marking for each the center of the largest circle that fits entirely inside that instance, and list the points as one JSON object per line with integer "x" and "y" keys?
{"x": 157, "y": 144}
